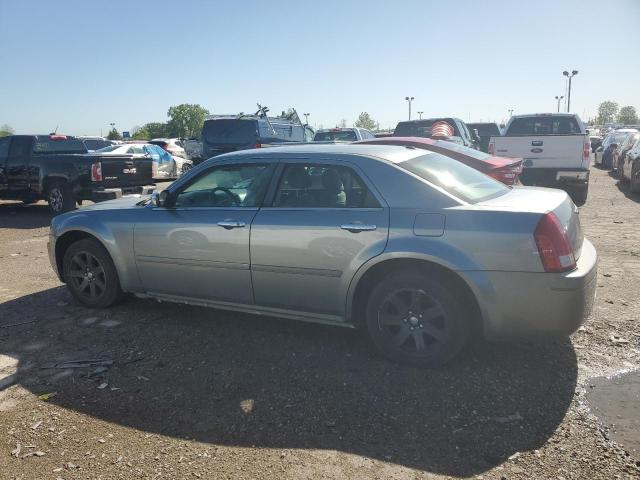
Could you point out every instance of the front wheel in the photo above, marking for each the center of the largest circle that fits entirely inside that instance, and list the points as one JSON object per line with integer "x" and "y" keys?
{"x": 415, "y": 319}
{"x": 91, "y": 275}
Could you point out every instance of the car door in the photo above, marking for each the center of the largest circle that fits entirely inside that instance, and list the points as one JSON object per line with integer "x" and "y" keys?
{"x": 18, "y": 165}
{"x": 4, "y": 154}
{"x": 324, "y": 220}
{"x": 197, "y": 244}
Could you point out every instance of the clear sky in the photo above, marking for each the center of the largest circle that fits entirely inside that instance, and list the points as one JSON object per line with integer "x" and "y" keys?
{"x": 82, "y": 64}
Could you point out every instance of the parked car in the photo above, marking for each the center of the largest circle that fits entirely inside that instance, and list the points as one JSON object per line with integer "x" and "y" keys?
{"x": 174, "y": 146}
{"x": 620, "y": 153}
{"x": 631, "y": 168}
{"x": 343, "y": 135}
{"x": 420, "y": 250}
{"x": 605, "y": 153}
{"x": 555, "y": 149}
{"x": 422, "y": 128}
{"x": 485, "y": 132}
{"x": 165, "y": 165}
{"x": 228, "y": 133}
{"x": 58, "y": 169}
{"x": 596, "y": 141}
{"x": 505, "y": 170}
{"x": 95, "y": 143}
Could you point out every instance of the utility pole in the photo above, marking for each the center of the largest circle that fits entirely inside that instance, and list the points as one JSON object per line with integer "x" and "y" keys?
{"x": 558, "y": 98}
{"x": 569, "y": 76}
{"x": 409, "y": 99}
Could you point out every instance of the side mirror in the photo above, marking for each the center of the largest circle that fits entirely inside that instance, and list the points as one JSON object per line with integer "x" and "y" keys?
{"x": 159, "y": 199}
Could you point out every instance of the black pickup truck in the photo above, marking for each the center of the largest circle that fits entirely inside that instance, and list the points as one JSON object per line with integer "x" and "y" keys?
{"x": 58, "y": 169}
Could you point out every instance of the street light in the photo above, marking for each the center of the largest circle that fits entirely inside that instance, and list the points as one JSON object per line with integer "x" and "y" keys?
{"x": 510, "y": 112}
{"x": 409, "y": 99}
{"x": 566, "y": 74}
{"x": 558, "y": 98}
{"x": 420, "y": 113}
{"x": 306, "y": 118}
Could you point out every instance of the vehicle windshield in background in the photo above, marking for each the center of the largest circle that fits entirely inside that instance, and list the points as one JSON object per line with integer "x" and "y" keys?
{"x": 338, "y": 136}
{"x": 544, "y": 126}
{"x": 485, "y": 129}
{"x": 470, "y": 152}
{"x": 422, "y": 128}
{"x": 234, "y": 131}
{"x": 455, "y": 177}
{"x": 48, "y": 145}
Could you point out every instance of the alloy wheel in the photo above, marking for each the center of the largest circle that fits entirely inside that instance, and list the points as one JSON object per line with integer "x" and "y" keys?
{"x": 87, "y": 275}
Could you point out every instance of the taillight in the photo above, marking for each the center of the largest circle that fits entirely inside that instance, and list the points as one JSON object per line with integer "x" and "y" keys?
{"x": 492, "y": 148}
{"x": 96, "y": 172}
{"x": 507, "y": 175}
{"x": 257, "y": 145}
{"x": 553, "y": 244}
{"x": 586, "y": 150}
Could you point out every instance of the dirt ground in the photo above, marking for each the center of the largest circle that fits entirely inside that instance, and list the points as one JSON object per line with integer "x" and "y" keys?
{"x": 184, "y": 392}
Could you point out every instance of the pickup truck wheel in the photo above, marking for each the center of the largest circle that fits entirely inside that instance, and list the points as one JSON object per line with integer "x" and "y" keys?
{"x": 91, "y": 275}
{"x": 60, "y": 197}
{"x": 414, "y": 319}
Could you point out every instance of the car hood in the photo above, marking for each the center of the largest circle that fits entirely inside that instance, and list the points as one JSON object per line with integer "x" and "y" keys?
{"x": 127, "y": 201}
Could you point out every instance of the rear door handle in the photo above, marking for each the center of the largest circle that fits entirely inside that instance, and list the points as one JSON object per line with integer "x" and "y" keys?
{"x": 357, "y": 227}
{"x": 229, "y": 224}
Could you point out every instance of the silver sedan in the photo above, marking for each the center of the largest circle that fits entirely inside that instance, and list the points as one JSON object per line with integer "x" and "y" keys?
{"x": 420, "y": 251}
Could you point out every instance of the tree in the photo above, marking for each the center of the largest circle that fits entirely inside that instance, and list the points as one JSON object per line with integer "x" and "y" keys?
{"x": 365, "y": 121}
{"x": 607, "y": 112}
{"x": 114, "y": 134}
{"x": 627, "y": 115}
{"x": 186, "y": 120}
{"x": 151, "y": 130}
{"x": 6, "y": 130}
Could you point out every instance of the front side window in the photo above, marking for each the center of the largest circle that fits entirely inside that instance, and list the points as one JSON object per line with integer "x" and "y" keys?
{"x": 227, "y": 186}
{"x": 322, "y": 186}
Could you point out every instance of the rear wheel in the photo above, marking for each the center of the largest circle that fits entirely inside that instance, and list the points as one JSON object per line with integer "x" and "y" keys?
{"x": 414, "y": 319}
{"x": 91, "y": 275}
{"x": 60, "y": 197}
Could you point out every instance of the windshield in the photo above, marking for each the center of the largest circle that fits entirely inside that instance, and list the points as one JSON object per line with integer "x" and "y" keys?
{"x": 422, "y": 128}
{"x": 338, "y": 136}
{"x": 234, "y": 131}
{"x": 454, "y": 177}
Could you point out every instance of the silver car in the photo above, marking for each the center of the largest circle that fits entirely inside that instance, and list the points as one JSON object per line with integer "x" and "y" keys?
{"x": 416, "y": 248}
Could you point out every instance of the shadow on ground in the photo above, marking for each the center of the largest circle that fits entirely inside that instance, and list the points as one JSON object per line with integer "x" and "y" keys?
{"x": 233, "y": 379}
{"x": 18, "y": 215}
{"x": 625, "y": 189}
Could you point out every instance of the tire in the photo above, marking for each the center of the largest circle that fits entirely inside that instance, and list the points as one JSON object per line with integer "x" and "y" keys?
{"x": 90, "y": 274}
{"x": 579, "y": 195}
{"x": 634, "y": 182}
{"x": 397, "y": 323}
{"x": 60, "y": 197}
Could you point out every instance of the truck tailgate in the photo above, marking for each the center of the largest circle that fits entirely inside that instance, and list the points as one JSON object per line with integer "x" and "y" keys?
{"x": 543, "y": 151}
{"x": 125, "y": 170}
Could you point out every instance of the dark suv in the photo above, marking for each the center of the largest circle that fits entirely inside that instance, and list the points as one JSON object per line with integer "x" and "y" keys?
{"x": 485, "y": 132}
{"x": 422, "y": 128}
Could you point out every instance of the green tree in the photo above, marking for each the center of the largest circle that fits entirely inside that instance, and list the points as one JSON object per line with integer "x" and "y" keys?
{"x": 607, "y": 111}
{"x": 114, "y": 134}
{"x": 151, "y": 130}
{"x": 365, "y": 121}
{"x": 627, "y": 115}
{"x": 6, "y": 130}
{"x": 186, "y": 120}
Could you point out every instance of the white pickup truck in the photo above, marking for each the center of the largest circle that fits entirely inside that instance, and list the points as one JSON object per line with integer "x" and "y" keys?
{"x": 555, "y": 151}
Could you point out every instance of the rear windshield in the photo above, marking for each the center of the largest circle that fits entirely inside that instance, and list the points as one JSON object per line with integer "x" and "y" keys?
{"x": 485, "y": 129}
{"x": 47, "y": 145}
{"x": 543, "y": 126}
{"x": 422, "y": 128}
{"x": 340, "y": 136}
{"x": 160, "y": 143}
{"x": 92, "y": 144}
{"x": 454, "y": 177}
{"x": 230, "y": 131}
{"x": 469, "y": 152}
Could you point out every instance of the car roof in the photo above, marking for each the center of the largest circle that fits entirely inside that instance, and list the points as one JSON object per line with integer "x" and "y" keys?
{"x": 386, "y": 153}
{"x": 528, "y": 115}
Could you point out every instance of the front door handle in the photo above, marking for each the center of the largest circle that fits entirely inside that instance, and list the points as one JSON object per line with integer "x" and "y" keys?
{"x": 229, "y": 224}
{"x": 357, "y": 227}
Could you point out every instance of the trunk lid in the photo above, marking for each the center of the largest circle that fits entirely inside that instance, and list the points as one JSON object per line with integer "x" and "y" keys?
{"x": 543, "y": 200}
{"x": 125, "y": 170}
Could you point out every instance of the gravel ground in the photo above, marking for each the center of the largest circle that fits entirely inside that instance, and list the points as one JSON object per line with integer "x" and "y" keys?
{"x": 186, "y": 392}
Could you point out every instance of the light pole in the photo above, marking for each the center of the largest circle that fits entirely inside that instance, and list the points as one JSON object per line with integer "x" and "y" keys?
{"x": 558, "y": 98}
{"x": 113, "y": 125}
{"x": 306, "y": 118}
{"x": 510, "y": 112}
{"x": 569, "y": 76}
{"x": 409, "y": 99}
{"x": 420, "y": 113}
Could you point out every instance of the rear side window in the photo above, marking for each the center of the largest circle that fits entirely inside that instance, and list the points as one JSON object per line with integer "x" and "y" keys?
{"x": 543, "y": 126}
{"x": 47, "y": 145}
{"x": 455, "y": 177}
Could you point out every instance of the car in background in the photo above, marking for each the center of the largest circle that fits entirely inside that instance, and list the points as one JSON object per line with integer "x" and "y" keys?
{"x": 95, "y": 143}
{"x": 343, "y": 134}
{"x": 595, "y": 140}
{"x": 165, "y": 165}
{"x": 485, "y": 132}
{"x": 631, "y": 168}
{"x": 422, "y": 128}
{"x": 420, "y": 251}
{"x": 174, "y": 146}
{"x": 620, "y": 153}
{"x": 193, "y": 149}
{"x": 603, "y": 157}
{"x": 229, "y": 133}
{"x": 503, "y": 169}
